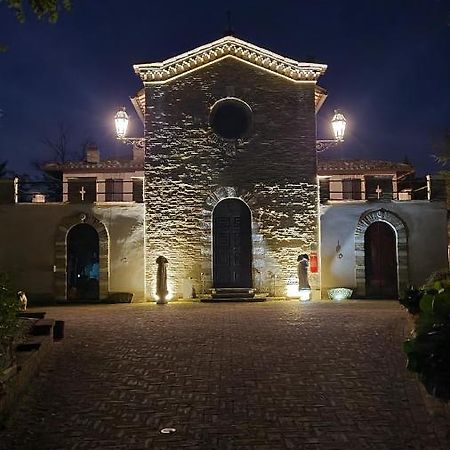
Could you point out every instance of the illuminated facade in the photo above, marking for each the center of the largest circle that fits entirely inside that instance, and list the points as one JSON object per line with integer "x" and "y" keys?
{"x": 230, "y": 191}
{"x": 230, "y": 169}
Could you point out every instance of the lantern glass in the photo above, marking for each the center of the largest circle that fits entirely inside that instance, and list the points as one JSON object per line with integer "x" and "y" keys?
{"x": 121, "y": 120}
{"x": 338, "y": 123}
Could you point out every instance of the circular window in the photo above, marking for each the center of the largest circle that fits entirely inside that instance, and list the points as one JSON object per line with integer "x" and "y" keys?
{"x": 230, "y": 118}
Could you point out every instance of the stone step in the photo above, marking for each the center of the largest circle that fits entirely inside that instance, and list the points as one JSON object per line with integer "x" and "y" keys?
{"x": 233, "y": 289}
{"x": 233, "y": 299}
{"x": 43, "y": 327}
{"x": 33, "y": 343}
{"x": 32, "y": 315}
{"x": 232, "y": 294}
{"x": 235, "y": 292}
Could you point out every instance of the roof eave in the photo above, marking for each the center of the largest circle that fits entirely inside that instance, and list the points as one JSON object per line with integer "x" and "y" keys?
{"x": 228, "y": 46}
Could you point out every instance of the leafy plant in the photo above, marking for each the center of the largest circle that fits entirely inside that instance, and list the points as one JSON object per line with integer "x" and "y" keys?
{"x": 43, "y": 9}
{"x": 429, "y": 351}
{"x": 411, "y": 301}
{"x": 10, "y": 328}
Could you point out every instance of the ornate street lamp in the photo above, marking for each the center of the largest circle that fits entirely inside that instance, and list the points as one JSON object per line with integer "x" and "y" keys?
{"x": 121, "y": 120}
{"x": 338, "y": 123}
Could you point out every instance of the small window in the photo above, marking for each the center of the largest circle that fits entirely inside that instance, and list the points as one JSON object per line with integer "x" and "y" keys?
{"x": 113, "y": 190}
{"x": 82, "y": 190}
{"x": 231, "y": 118}
{"x": 138, "y": 191}
{"x": 379, "y": 187}
{"x": 351, "y": 189}
{"x": 324, "y": 186}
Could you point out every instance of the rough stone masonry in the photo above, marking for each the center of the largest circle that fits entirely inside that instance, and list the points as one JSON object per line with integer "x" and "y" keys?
{"x": 189, "y": 169}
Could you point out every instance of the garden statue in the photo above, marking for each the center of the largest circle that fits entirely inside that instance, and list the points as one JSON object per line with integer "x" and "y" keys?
{"x": 161, "y": 280}
{"x": 302, "y": 272}
{"x": 23, "y": 301}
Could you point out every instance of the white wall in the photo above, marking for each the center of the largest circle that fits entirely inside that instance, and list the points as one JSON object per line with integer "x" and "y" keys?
{"x": 27, "y": 244}
{"x": 426, "y": 224}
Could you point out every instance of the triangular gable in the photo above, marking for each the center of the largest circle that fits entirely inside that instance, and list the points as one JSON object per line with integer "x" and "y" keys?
{"x": 228, "y": 46}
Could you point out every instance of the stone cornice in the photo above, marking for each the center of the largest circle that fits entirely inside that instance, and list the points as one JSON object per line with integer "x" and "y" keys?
{"x": 228, "y": 46}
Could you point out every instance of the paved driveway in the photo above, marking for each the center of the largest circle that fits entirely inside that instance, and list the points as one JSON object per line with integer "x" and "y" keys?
{"x": 278, "y": 375}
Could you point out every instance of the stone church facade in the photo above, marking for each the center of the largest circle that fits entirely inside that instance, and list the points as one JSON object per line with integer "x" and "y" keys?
{"x": 195, "y": 160}
{"x": 230, "y": 191}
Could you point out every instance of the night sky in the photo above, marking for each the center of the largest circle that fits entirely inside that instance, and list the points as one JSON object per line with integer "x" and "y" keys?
{"x": 388, "y": 68}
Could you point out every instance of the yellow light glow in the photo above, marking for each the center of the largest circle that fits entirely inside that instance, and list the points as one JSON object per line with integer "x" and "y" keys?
{"x": 305, "y": 294}
{"x": 292, "y": 290}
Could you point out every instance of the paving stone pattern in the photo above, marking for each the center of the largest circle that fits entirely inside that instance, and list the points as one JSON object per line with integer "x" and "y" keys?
{"x": 278, "y": 375}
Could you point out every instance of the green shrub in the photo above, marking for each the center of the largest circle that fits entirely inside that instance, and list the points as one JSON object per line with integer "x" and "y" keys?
{"x": 10, "y": 327}
{"x": 429, "y": 351}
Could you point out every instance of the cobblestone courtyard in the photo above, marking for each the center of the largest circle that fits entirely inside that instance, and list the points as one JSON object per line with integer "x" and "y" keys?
{"x": 277, "y": 375}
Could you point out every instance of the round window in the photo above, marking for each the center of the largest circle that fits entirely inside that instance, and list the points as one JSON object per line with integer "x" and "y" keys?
{"x": 230, "y": 118}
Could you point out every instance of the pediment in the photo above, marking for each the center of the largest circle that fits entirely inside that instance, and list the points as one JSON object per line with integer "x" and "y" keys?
{"x": 228, "y": 47}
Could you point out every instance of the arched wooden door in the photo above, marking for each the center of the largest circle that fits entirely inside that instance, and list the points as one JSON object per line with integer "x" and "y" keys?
{"x": 232, "y": 244}
{"x": 380, "y": 248}
{"x": 82, "y": 270}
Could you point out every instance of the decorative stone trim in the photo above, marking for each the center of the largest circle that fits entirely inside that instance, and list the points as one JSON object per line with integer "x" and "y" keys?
{"x": 60, "y": 279}
{"x": 401, "y": 232}
{"x": 226, "y": 47}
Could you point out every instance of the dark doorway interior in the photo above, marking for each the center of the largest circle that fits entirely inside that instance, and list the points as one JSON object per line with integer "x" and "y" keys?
{"x": 82, "y": 263}
{"x": 380, "y": 245}
{"x": 232, "y": 245}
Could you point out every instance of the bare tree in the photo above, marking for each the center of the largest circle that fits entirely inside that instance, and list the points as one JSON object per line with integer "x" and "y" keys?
{"x": 3, "y": 170}
{"x": 442, "y": 149}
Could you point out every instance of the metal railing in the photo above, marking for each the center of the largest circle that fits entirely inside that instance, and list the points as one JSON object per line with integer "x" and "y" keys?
{"x": 107, "y": 191}
{"x": 426, "y": 188}
{"x": 77, "y": 191}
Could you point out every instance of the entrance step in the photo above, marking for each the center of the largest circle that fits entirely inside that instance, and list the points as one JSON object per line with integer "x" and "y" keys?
{"x": 233, "y": 299}
{"x": 32, "y": 315}
{"x": 233, "y": 295}
{"x": 43, "y": 327}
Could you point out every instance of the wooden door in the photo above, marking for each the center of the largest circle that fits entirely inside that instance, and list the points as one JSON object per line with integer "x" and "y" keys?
{"x": 232, "y": 245}
{"x": 380, "y": 245}
{"x": 83, "y": 270}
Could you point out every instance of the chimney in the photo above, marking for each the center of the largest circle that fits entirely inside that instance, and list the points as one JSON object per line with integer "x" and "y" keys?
{"x": 92, "y": 154}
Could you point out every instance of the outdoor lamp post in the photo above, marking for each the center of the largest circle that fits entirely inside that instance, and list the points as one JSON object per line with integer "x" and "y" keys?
{"x": 338, "y": 123}
{"x": 121, "y": 120}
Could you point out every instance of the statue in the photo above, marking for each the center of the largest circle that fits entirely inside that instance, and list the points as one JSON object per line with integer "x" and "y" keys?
{"x": 161, "y": 280}
{"x": 302, "y": 272}
{"x": 23, "y": 301}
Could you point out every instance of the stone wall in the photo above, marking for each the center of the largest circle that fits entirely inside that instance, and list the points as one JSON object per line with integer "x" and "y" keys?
{"x": 188, "y": 169}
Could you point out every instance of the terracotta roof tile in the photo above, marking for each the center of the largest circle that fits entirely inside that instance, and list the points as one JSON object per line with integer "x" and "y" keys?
{"x": 102, "y": 166}
{"x": 361, "y": 166}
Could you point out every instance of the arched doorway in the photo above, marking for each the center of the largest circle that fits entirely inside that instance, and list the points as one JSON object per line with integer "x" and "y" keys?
{"x": 83, "y": 272}
{"x": 232, "y": 244}
{"x": 380, "y": 260}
